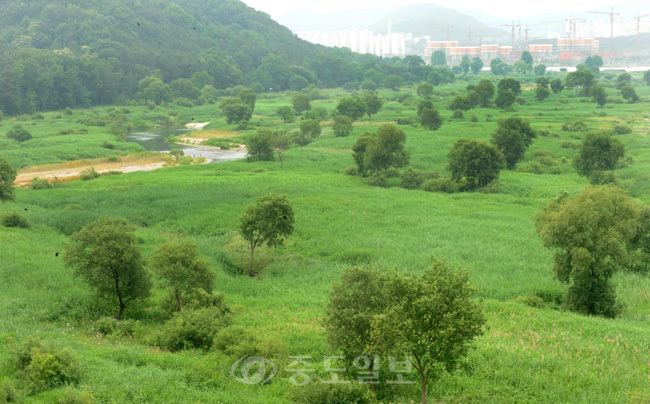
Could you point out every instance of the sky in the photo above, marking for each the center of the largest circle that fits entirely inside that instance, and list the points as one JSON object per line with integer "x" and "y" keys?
{"x": 516, "y": 9}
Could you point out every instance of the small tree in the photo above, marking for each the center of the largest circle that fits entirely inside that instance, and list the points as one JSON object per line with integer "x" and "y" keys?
{"x": 512, "y": 85}
{"x": 352, "y": 107}
{"x": 7, "y": 178}
{"x": 598, "y": 152}
{"x": 504, "y": 99}
{"x": 105, "y": 255}
{"x": 393, "y": 82}
{"x": 425, "y": 90}
{"x": 301, "y": 103}
{"x": 342, "y": 125}
{"x": 268, "y": 221}
{"x": 459, "y": 103}
{"x": 557, "y": 86}
{"x": 628, "y": 93}
{"x": 430, "y": 118}
{"x": 19, "y": 134}
{"x": 540, "y": 70}
{"x": 542, "y": 93}
{"x": 589, "y": 233}
{"x": 310, "y": 128}
{"x": 598, "y": 93}
{"x": 373, "y": 104}
{"x": 235, "y": 110}
{"x": 438, "y": 58}
{"x": 513, "y": 137}
{"x": 248, "y": 97}
{"x": 281, "y": 143}
{"x": 476, "y": 65}
{"x": 485, "y": 90}
{"x": 259, "y": 146}
{"x": 474, "y": 164}
{"x": 378, "y": 151}
{"x": 526, "y": 57}
{"x": 181, "y": 270}
{"x": 286, "y": 113}
{"x": 434, "y": 317}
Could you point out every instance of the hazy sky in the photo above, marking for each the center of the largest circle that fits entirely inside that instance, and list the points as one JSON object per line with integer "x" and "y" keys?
{"x": 507, "y": 9}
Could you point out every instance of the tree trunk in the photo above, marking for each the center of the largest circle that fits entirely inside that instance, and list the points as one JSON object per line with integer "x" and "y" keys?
{"x": 178, "y": 303}
{"x": 250, "y": 273}
{"x": 423, "y": 386}
{"x": 119, "y": 298}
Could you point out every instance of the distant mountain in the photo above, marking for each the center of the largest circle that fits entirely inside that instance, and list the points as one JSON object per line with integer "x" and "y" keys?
{"x": 418, "y": 19}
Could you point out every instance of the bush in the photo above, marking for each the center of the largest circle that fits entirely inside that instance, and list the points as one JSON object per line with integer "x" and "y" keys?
{"x": 473, "y": 118}
{"x": 531, "y": 300}
{"x": 602, "y": 177}
{"x": 622, "y": 129}
{"x": 351, "y": 170}
{"x": 39, "y": 183}
{"x": 378, "y": 179}
{"x": 192, "y": 329}
{"x": 19, "y": 134}
{"x": 67, "y": 111}
{"x": 413, "y": 179}
{"x": 74, "y": 396}
{"x": 318, "y": 393}
{"x": 442, "y": 184}
{"x": 406, "y": 121}
{"x": 239, "y": 342}
{"x": 43, "y": 367}
{"x": 458, "y": 114}
{"x": 14, "y": 219}
{"x": 107, "y": 145}
{"x": 9, "y": 393}
{"x": 111, "y": 326}
{"x": 89, "y": 174}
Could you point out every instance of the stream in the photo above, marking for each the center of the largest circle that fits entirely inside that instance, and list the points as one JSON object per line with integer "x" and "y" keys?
{"x": 154, "y": 140}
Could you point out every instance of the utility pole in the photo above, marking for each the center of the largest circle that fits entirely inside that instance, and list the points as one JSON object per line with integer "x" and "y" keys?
{"x": 611, "y": 20}
{"x": 638, "y": 30}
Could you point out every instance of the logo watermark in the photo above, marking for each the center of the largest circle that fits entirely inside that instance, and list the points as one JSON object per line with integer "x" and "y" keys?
{"x": 253, "y": 370}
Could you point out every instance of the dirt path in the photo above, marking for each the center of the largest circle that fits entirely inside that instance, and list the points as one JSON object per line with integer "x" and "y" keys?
{"x": 70, "y": 173}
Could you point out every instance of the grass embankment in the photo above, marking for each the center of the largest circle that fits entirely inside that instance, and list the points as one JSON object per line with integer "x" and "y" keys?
{"x": 535, "y": 355}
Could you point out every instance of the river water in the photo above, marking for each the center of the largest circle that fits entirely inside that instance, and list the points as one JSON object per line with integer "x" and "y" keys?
{"x": 154, "y": 140}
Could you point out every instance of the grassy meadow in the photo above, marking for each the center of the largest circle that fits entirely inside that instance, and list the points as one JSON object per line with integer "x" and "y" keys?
{"x": 527, "y": 354}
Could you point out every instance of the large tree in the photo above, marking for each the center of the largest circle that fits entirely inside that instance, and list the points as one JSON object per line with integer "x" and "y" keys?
{"x": 474, "y": 164}
{"x": 599, "y": 152}
{"x": 259, "y": 146}
{"x": 268, "y": 221}
{"x": 373, "y": 104}
{"x": 381, "y": 150}
{"x": 476, "y": 65}
{"x": 513, "y": 137}
{"x": 7, "y": 178}
{"x": 300, "y": 102}
{"x": 433, "y": 317}
{"x": 235, "y": 110}
{"x": 182, "y": 270}
{"x": 485, "y": 90}
{"x": 352, "y": 107}
{"x": 106, "y": 256}
{"x": 430, "y": 118}
{"x": 589, "y": 233}
{"x": 438, "y": 58}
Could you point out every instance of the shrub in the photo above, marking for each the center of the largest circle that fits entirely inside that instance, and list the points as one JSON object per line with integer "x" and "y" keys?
{"x": 458, "y": 114}
{"x": 39, "y": 183}
{"x": 74, "y": 396}
{"x": 89, "y": 174}
{"x": 107, "y": 145}
{"x": 43, "y": 367}
{"x": 378, "y": 179}
{"x": 67, "y": 111}
{"x": 318, "y": 393}
{"x": 531, "y": 300}
{"x": 9, "y": 393}
{"x": 14, "y": 219}
{"x": 406, "y": 121}
{"x": 442, "y": 184}
{"x": 622, "y": 129}
{"x": 473, "y": 118}
{"x": 351, "y": 170}
{"x": 413, "y": 179}
{"x": 192, "y": 329}
{"x": 239, "y": 342}
{"x": 19, "y": 134}
{"x": 111, "y": 326}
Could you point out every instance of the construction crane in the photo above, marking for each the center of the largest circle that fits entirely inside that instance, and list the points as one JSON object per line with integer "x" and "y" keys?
{"x": 513, "y": 26}
{"x": 480, "y": 35}
{"x": 638, "y": 30}
{"x": 611, "y": 20}
{"x": 447, "y": 26}
{"x": 549, "y": 23}
{"x": 573, "y": 30}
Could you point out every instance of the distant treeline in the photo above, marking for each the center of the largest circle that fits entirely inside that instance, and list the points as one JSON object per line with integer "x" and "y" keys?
{"x": 81, "y": 53}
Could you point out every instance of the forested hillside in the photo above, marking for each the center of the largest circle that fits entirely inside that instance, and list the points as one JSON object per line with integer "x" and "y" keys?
{"x": 87, "y": 52}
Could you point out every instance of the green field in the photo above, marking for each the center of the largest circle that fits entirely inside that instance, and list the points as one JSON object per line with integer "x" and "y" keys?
{"x": 527, "y": 355}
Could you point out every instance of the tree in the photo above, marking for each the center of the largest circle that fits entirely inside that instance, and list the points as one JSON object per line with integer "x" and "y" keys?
{"x": 438, "y": 58}
{"x": 19, "y": 134}
{"x": 598, "y": 152}
{"x": 368, "y": 85}
{"x": 646, "y": 77}
{"x": 540, "y": 70}
{"x": 158, "y": 92}
{"x": 352, "y": 306}
{"x": 286, "y": 113}
{"x": 248, "y": 97}
{"x": 7, "y": 178}
{"x": 476, "y": 65}
{"x": 513, "y": 137}
{"x": 542, "y": 93}
{"x": 522, "y": 67}
{"x": 373, "y": 104}
{"x": 459, "y": 103}
{"x": 281, "y": 143}
{"x": 504, "y": 99}
{"x": 268, "y": 221}
{"x": 542, "y": 81}
{"x": 434, "y": 317}
{"x": 498, "y": 67}
{"x": 310, "y": 128}
{"x": 106, "y": 256}
{"x": 393, "y": 82}
{"x": 425, "y": 90}
{"x": 184, "y": 88}
{"x": 297, "y": 83}
{"x": 465, "y": 64}
{"x": 526, "y": 57}
{"x": 580, "y": 80}
{"x": 589, "y": 233}
{"x": 352, "y": 107}
{"x": 474, "y": 164}
{"x": 259, "y": 146}
{"x": 557, "y": 86}
{"x": 181, "y": 270}
{"x": 485, "y": 90}
{"x": 301, "y": 103}
{"x": 512, "y": 85}
{"x": 342, "y": 125}
{"x": 430, "y": 118}
{"x": 628, "y": 93}
{"x": 381, "y": 150}
{"x": 623, "y": 79}
{"x": 235, "y": 110}
{"x": 598, "y": 93}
